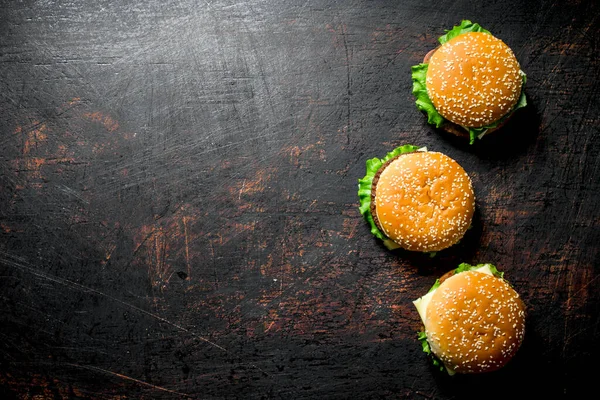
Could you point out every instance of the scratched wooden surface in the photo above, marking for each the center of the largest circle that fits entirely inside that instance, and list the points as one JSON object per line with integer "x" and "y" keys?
{"x": 178, "y": 205}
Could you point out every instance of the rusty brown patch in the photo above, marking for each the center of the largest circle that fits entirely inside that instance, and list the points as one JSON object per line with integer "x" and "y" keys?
{"x": 297, "y": 152}
{"x": 165, "y": 242}
{"x": 349, "y": 226}
{"x": 384, "y": 34}
{"x": 252, "y": 186}
{"x": 37, "y": 386}
{"x": 33, "y": 137}
{"x": 339, "y": 35}
{"x": 32, "y": 166}
{"x": 155, "y": 240}
{"x": 105, "y": 120}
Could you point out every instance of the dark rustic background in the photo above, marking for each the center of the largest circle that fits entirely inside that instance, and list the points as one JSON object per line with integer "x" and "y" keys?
{"x": 178, "y": 199}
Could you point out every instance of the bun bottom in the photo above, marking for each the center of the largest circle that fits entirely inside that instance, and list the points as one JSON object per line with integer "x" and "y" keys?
{"x": 461, "y": 132}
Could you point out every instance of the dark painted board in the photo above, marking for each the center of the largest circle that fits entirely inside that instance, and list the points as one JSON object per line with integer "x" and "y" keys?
{"x": 178, "y": 208}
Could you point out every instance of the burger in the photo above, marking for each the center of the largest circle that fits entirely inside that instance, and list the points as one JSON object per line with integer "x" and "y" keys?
{"x": 474, "y": 321}
{"x": 415, "y": 199}
{"x": 471, "y": 84}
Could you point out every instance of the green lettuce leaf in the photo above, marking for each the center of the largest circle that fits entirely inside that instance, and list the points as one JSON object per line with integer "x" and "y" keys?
{"x": 364, "y": 189}
{"x": 424, "y": 103}
{"x": 419, "y": 75}
{"x": 468, "y": 267}
{"x": 464, "y": 27}
{"x": 422, "y": 336}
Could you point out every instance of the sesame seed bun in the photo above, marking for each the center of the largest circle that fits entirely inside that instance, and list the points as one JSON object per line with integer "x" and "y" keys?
{"x": 474, "y": 79}
{"x": 423, "y": 201}
{"x": 475, "y": 322}
{"x": 456, "y": 129}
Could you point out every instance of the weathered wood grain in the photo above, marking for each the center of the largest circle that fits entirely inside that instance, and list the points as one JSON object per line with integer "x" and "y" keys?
{"x": 178, "y": 206}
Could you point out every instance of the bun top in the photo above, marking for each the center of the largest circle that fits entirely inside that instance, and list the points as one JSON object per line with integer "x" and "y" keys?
{"x": 474, "y": 79}
{"x": 423, "y": 201}
{"x": 475, "y": 322}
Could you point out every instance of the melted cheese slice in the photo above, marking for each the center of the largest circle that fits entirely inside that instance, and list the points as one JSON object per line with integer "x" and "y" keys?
{"x": 422, "y": 302}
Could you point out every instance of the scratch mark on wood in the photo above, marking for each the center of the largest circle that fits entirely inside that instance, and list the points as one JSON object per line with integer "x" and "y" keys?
{"x": 242, "y": 189}
{"x": 270, "y": 326}
{"x": 128, "y": 378}
{"x": 212, "y": 257}
{"x": 162, "y": 271}
{"x": 187, "y": 248}
{"x": 348, "y": 82}
{"x": 5, "y": 259}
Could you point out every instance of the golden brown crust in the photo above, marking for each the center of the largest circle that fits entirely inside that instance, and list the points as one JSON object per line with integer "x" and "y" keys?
{"x": 423, "y": 201}
{"x": 474, "y": 79}
{"x": 453, "y": 128}
{"x": 374, "y": 185}
{"x": 475, "y": 322}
